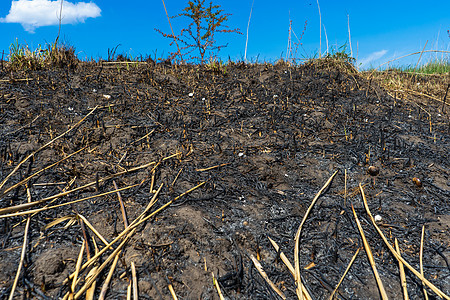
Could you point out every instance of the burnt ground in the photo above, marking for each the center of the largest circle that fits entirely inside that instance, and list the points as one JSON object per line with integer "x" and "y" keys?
{"x": 262, "y": 138}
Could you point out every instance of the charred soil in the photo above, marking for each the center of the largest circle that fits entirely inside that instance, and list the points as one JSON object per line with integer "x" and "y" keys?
{"x": 239, "y": 152}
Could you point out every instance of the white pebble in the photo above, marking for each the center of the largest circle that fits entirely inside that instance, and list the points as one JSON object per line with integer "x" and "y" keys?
{"x": 191, "y": 94}
{"x": 107, "y": 96}
{"x": 378, "y": 218}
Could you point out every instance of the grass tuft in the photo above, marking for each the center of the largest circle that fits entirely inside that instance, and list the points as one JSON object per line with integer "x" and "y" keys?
{"x": 436, "y": 66}
{"x": 22, "y": 58}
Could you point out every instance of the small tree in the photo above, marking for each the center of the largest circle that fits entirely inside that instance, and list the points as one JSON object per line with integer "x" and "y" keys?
{"x": 199, "y": 35}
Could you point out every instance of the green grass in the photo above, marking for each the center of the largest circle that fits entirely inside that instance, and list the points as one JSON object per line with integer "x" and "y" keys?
{"x": 436, "y": 66}
{"x": 21, "y": 57}
{"x": 433, "y": 65}
{"x": 58, "y": 55}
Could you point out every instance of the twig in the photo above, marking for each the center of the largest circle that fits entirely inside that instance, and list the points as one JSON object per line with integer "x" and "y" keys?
{"x": 20, "y": 79}
{"x": 93, "y": 229}
{"x": 173, "y": 34}
{"x": 92, "y": 278}
{"x": 420, "y": 56}
{"x": 129, "y": 289}
{"x": 289, "y": 46}
{"x": 283, "y": 256}
{"x": 445, "y": 97}
{"x": 345, "y": 187}
{"x": 143, "y": 137}
{"x": 25, "y": 126}
{"x": 123, "y": 62}
{"x": 421, "y": 94}
{"x": 213, "y": 167}
{"x": 326, "y": 37}
{"x": 60, "y": 21}
{"x": 85, "y": 237}
{"x": 176, "y": 177}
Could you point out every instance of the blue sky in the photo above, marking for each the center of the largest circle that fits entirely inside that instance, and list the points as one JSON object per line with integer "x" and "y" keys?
{"x": 380, "y": 30}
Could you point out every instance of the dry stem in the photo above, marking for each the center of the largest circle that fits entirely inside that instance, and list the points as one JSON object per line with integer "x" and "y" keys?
{"x": 297, "y": 238}
{"x": 398, "y": 257}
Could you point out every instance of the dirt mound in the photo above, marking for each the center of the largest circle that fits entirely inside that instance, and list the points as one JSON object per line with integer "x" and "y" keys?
{"x": 255, "y": 143}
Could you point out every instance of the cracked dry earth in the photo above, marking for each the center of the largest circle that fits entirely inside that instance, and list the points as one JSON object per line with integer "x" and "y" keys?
{"x": 239, "y": 152}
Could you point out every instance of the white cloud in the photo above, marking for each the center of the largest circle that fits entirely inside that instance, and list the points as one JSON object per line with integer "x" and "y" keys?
{"x": 36, "y": 13}
{"x": 364, "y": 62}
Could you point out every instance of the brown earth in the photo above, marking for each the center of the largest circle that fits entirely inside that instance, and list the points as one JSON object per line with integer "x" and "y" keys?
{"x": 262, "y": 138}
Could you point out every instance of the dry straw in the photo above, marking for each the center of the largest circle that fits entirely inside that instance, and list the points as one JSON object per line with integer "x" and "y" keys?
{"x": 216, "y": 285}
{"x": 397, "y": 255}
{"x": 289, "y": 266}
{"x": 126, "y": 231}
{"x": 370, "y": 257}
{"x": 345, "y": 273}
{"x": 135, "y": 281}
{"x": 172, "y": 292}
{"x": 402, "y": 273}
{"x": 297, "y": 238}
{"x": 91, "y": 290}
{"x": 126, "y": 234}
{"x": 266, "y": 278}
{"x": 77, "y": 271}
{"x": 40, "y": 171}
{"x": 24, "y": 249}
{"x": 43, "y": 147}
{"x": 425, "y": 294}
{"x": 20, "y": 207}
{"x": 108, "y": 278}
{"x": 32, "y": 211}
